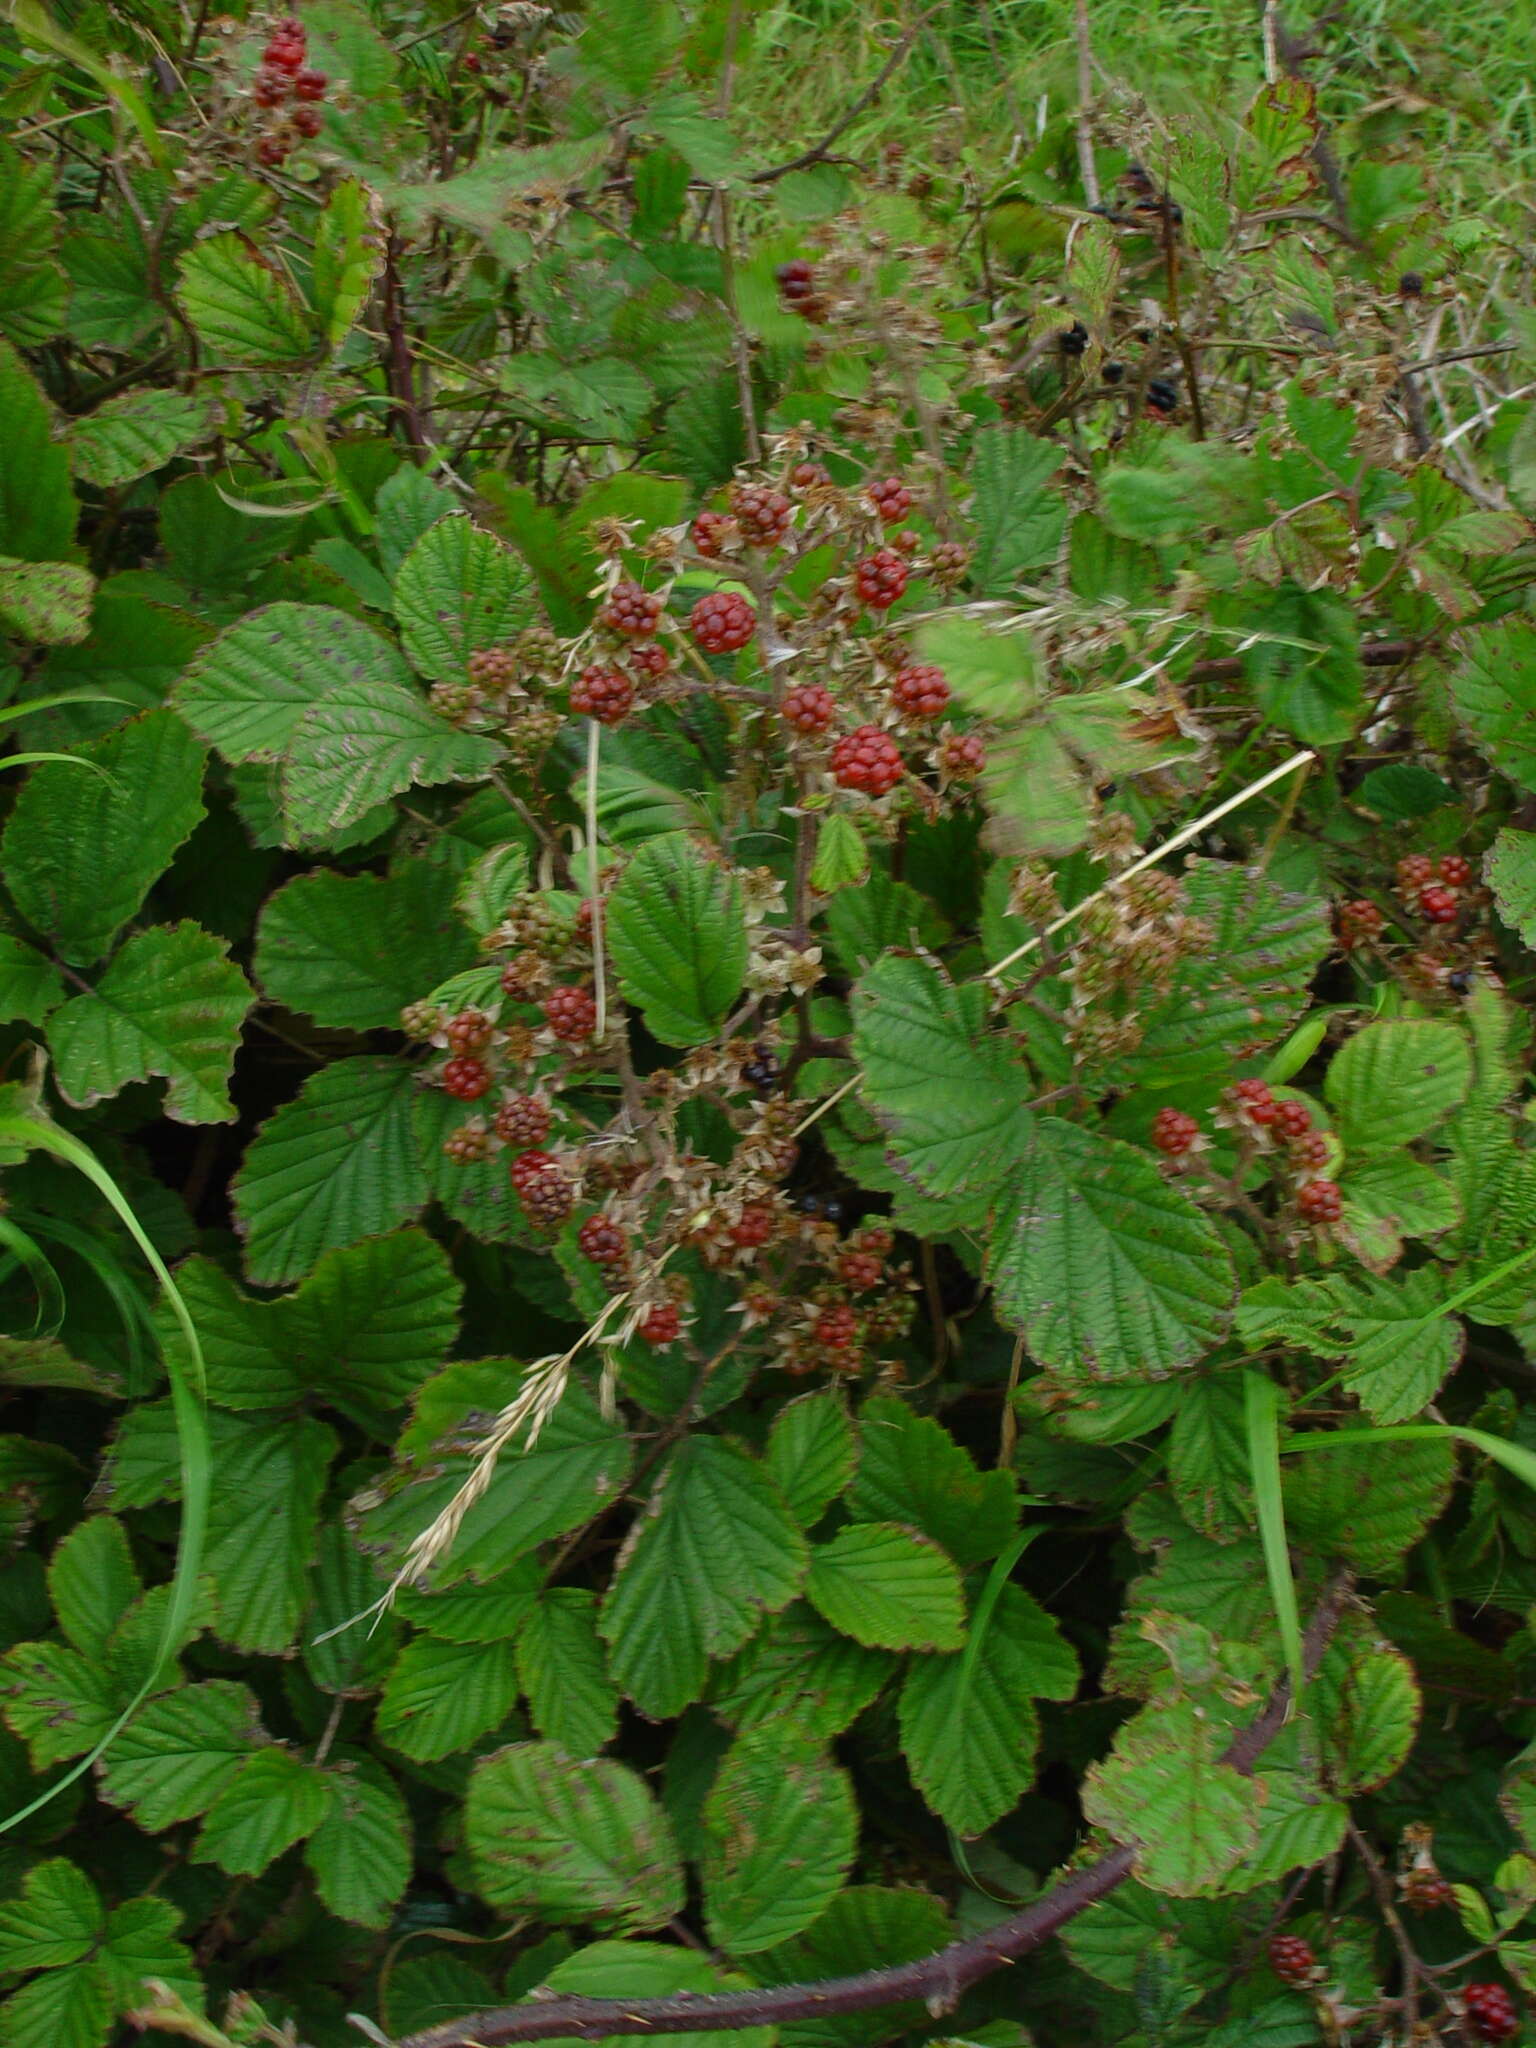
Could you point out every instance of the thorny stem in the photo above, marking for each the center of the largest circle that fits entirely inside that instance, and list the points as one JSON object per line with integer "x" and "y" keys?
{"x": 938, "y": 1980}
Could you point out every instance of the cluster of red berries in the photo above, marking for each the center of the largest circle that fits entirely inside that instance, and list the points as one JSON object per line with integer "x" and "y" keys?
{"x": 284, "y": 80}
{"x": 797, "y": 285}
{"x": 543, "y": 1188}
{"x": 881, "y": 578}
{"x": 920, "y": 691}
{"x": 1174, "y": 1133}
{"x": 606, "y": 694}
{"x": 1359, "y": 922}
{"x": 722, "y": 622}
{"x": 1432, "y": 886}
{"x": 867, "y": 759}
{"x": 633, "y": 611}
{"x": 1291, "y": 1959}
{"x": 891, "y": 499}
{"x": 602, "y": 1242}
{"x": 762, "y": 514}
{"x": 808, "y": 707}
{"x": 571, "y": 1014}
{"x": 1491, "y": 2010}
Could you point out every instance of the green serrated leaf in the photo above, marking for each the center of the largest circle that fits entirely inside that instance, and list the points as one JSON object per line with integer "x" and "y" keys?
{"x": 562, "y": 1670}
{"x": 888, "y": 1587}
{"x": 46, "y": 602}
{"x": 30, "y": 985}
{"x": 842, "y": 857}
{"x": 581, "y": 1842}
{"x": 1510, "y": 871}
{"x": 489, "y": 887}
{"x": 1494, "y": 692}
{"x": 1109, "y": 1271}
{"x": 91, "y": 1581}
{"x": 180, "y": 1751}
{"x": 442, "y": 1697}
{"x": 274, "y": 1800}
{"x": 37, "y": 506}
{"x": 970, "y": 1734}
{"x": 951, "y": 1099}
{"x": 130, "y": 436}
{"x": 457, "y": 592}
{"x": 364, "y": 742}
{"x": 811, "y": 1453}
{"x": 912, "y": 1470}
{"x": 1164, "y": 1787}
{"x": 171, "y": 1005}
{"x": 798, "y": 1672}
{"x": 335, "y": 1165}
{"x": 780, "y": 1828}
{"x": 361, "y": 1851}
{"x": 352, "y": 950}
{"x": 348, "y": 253}
{"x": 81, "y": 850}
{"x": 715, "y": 1548}
{"x": 1020, "y": 516}
{"x": 678, "y": 939}
{"x": 1397, "y": 1079}
{"x": 245, "y": 312}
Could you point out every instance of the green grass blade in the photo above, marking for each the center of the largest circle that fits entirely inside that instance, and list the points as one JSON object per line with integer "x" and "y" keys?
{"x": 133, "y": 1312}
{"x": 1517, "y": 1461}
{"x": 24, "y": 1251}
{"x": 991, "y": 1593}
{"x": 1261, "y": 1415}
{"x": 189, "y": 1397}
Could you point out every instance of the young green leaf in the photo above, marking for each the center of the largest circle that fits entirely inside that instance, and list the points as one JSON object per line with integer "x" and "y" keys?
{"x": 458, "y": 591}
{"x": 888, "y": 1588}
{"x": 678, "y": 939}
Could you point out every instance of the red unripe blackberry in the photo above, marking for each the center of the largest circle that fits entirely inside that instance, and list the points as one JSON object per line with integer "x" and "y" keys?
{"x": 467, "y": 1145}
{"x": 891, "y": 499}
{"x": 1173, "y": 1132}
{"x": 269, "y": 88}
{"x": 469, "y": 1031}
{"x": 1438, "y": 905}
{"x": 950, "y": 561}
{"x": 710, "y": 530}
{"x": 722, "y": 622}
{"x": 880, "y": 1242}
{"x": 1291, "y": 1959}
{"x": 1359, "y": 920}
{"x": 547, "y": 1198}
{"x": 837, "y": 1326}
{"x": 306, "y": 122}
{"x": 808, "y": 707}
{"x": 662, "y": 1324}
{"x": 860, "y": 1270}
{"x": 907, "y": 540}
{"x": 754, "y": 1226}
{"x": 633, "y": 611}
{"x": 606, "y": 694}
{"x": 809, "y": 476}
{"x": 310, "y": 85}
{"x": 523, "y": 1120}
{"x": 867, "y": 759}
{"x": 1413, "y": 871}
{"x": 271, "y": 152}
{"x": 571, "y": 1014}
{"x": 963, "y": 756}
{"x": 1255, "y": 1101}
{"x": 920, "y": 691}
{"x": 796, "y": 279}
{"x": 881, "y": 578}
{"x": 284, "y": 54}
{"x": 762, "y": 514}
{"x": 650, "y": 662}
{"x": 528, "y": 1166}
{"x": 1292, "y": 1119}
{"x": 1491, "y": 2010}
{"x": 601, "y": 1241}
{"x": 466, "y": 1080}
{"x": 1311, "y": 1150}
{"x": 1455, "y": 870}
{"x": 1319, "y": 1202}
